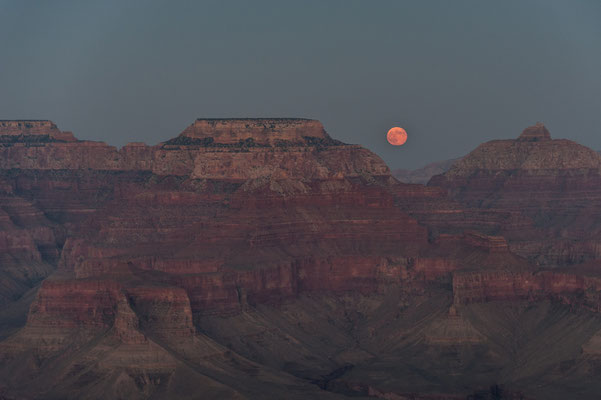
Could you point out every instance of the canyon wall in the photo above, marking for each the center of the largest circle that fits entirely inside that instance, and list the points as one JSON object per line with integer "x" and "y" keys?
{"x": 136, "y": 253}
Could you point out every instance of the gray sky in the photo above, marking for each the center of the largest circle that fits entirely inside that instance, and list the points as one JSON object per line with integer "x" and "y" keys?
{"x": 453, "y": 73}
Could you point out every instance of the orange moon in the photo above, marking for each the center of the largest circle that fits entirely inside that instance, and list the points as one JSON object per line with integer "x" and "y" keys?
{"x": 396, "y": 136}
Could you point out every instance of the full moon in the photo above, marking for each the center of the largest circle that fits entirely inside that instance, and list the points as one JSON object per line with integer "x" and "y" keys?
{"x": 396, "y": 136}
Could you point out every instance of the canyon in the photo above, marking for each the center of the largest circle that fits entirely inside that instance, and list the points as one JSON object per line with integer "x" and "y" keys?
{"x": 261, "y": 258}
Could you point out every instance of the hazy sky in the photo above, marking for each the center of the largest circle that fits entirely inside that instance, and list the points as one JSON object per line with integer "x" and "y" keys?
{"x": 453, "y": 73}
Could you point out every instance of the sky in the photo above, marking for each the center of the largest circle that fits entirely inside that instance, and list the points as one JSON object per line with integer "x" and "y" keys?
{"x": 452, "y": 73}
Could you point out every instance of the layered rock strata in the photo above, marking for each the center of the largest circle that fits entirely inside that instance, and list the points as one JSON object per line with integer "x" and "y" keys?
{"x": 544, "y": 192}
{"x": 155, "y": 250}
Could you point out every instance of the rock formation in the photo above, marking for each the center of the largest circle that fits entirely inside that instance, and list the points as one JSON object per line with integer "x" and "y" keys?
{"x": 260, "y": 258}
{"x": 535, "y": 133}
{"x": 265, "y": 131}
{"x": 547, "y": 190}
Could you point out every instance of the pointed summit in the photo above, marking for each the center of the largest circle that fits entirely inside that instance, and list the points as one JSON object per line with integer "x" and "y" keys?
{"x": 535, "y": 133}
{"x": 533, "y": 150}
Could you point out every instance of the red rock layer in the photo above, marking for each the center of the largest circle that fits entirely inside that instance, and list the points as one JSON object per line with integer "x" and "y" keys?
{"x": 542, "y": 194}
{"x": 495, "y": 285}
{"x": 232, "y": 221}
{"x": 154, "y": 240}
{"x": 261, "y": 243}
{"x": 229, "y": 220}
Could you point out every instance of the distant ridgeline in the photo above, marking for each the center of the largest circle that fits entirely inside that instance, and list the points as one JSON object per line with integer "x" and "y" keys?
{"x": 221, "y": 133}
{"x": 257, "y": 147}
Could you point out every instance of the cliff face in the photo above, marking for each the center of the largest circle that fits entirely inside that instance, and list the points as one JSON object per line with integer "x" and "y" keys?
{"x": 29, "y": 246}
{"x": 208, "y": 149}
{"x": 180, "y": 207}
{"x": 228, "y": 216}
{"x": 249, "y": 254}
{"x": 549, "y": 189}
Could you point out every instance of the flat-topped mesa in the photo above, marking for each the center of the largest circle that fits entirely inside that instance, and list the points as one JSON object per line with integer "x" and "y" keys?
{"x": 32, "y": 130}
{"x": 260, "y": 130}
